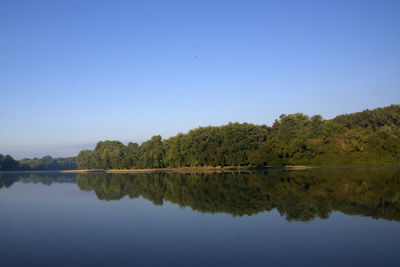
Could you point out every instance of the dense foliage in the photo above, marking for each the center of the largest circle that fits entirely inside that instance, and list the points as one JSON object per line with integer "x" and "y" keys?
{"x": 48, "y": 163}
{"x": 7, "y": 163}
{"x": 368, "y": 137}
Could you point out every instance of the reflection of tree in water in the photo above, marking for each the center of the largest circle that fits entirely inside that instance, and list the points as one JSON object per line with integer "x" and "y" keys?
{"x": 300, "y": 196}
{"x": 8, "y": 179}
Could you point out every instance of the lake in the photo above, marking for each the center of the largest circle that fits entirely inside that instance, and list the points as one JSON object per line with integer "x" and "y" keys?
{"x": 319, "y": 217}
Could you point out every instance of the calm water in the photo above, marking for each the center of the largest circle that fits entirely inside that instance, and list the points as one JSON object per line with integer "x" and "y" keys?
{"x": 341, "y": 217}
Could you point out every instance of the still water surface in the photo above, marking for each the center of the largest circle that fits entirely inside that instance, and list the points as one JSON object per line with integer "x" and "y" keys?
{"x": 332, "y": 217}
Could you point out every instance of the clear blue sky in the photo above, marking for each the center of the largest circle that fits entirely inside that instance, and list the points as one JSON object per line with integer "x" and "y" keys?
{"x": 76, "y": 72}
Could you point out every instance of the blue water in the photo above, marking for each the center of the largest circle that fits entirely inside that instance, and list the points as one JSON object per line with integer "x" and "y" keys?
{"x": 59, "y": 224}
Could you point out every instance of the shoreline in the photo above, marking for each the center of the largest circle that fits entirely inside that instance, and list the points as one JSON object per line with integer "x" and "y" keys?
{"x": 192, "y": 169}
{"x": 218, "y": 169}
{"x": 226, "y": 169}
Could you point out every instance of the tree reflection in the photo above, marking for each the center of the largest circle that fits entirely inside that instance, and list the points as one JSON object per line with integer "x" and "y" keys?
{"x": 298, "y": 196}
{"x": 7, "y": 179}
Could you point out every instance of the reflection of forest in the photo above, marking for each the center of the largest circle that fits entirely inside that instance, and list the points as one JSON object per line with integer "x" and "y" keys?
{"x": 299, "y": 195}
{"x": 7, "y": 179}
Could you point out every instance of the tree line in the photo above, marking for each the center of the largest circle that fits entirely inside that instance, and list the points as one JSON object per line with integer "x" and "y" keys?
{"x": 8, "y": 163}
{"x": 367, "y": 137}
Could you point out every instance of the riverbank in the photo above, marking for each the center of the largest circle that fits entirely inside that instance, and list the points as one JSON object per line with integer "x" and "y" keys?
{"x": 193, "y": 169}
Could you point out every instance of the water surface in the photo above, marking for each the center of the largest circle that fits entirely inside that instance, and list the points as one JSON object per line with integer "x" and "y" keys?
{"x": 336, "y": 217}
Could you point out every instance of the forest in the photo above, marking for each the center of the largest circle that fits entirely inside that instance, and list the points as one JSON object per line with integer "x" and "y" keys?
{"x": 8, "y": 163}
{"x": 370, "y": 137}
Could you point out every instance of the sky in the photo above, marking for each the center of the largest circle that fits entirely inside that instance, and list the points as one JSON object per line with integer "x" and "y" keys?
{"x": 73, "y": 73}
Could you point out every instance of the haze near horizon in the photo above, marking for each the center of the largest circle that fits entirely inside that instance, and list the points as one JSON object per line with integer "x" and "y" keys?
{"x": 77, "y": 72}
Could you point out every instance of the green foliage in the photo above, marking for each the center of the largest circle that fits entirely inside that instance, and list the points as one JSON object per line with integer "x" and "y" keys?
{"x": 47, "y": 163}
{"x": 368, "y": 137}
{"x": 152, "y": 153}
{"x": 227, "y": 145}
{"x": 115, "y": 155}
{"x": 374, "y": 119}
{"x": 7, "y": 163}
{"x": 106, "y": 155}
